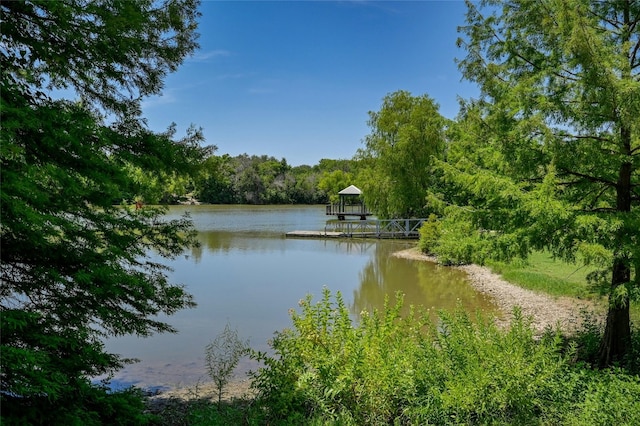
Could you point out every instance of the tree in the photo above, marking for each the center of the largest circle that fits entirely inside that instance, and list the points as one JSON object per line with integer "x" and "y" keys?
{"x": 333, "y": 182}
{"x": 158, "y": 186}
{"x": 303, "y": 185}
{"x": 406, "y": 134}
{"x": 560, "y": 85}
{"x": 214, "y": 183}
{"x": 74, "y": 264}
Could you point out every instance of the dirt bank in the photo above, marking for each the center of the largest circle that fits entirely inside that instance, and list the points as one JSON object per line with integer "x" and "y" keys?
{"x": 175, "y": 399}
{"x": 546, "y": 311}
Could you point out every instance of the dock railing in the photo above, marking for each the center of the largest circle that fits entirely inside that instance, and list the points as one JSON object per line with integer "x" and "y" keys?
{"x": 341, "y": 209}
{"x": 387, "y": 228}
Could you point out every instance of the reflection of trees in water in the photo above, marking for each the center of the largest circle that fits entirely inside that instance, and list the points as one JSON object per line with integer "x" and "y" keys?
{"x": 351, "y": 246}
{"x": 423, "y": 284}
{"x": 226, "y": 241}
{"x": 196, "y": 253}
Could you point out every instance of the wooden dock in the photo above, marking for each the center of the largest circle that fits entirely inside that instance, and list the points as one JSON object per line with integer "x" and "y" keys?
{"x": 391, "y": 228}
{"x": 314, "y": 234}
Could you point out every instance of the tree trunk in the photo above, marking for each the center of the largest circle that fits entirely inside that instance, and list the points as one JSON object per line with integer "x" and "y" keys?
{"x": 617, "y": 332}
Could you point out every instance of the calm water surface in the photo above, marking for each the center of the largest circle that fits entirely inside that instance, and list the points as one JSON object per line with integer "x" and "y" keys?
{"x": 248, "y": 274}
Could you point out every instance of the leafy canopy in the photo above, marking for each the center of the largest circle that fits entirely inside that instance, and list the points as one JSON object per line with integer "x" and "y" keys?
{"x": 405, "y": 134}
{"x": 74, "y": 263}
{"x": 548, "y": 157}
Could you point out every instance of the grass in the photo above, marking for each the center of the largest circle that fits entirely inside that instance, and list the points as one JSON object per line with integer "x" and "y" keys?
{"x": 543, "y": 273}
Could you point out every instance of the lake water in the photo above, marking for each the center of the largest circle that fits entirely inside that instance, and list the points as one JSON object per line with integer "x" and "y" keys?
{"x": 248, "y": 274}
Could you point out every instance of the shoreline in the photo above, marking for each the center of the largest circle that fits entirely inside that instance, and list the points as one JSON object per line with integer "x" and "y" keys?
{"x": 545, "y": 312}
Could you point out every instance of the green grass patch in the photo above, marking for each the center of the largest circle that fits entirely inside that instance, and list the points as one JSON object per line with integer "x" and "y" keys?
{"x": 545, "y": 274}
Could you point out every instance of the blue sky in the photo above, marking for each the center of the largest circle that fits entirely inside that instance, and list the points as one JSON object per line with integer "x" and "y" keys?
{"x": 296, "y": 79}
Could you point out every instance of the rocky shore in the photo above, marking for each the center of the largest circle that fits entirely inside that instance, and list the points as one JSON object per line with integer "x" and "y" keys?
{"x": 545, "y": 311}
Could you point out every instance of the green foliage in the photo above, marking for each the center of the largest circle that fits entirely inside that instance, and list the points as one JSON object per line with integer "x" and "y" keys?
{"x": 109, "y": 53}
{"x": 208, "y": 415}
{"x": 222, "y": 357}
{"x": 406, "y": 134}
{"x": 214, "y": 182}
{"x": 246, "y": 179}
{"x": 83, "y": 404}
{"x": 430, "y": 234}
{"x": 74, "y": 264}
{"x": 199, "y": 410}
{"x": 598, "y": 398}
{"x": 333, "y": 182}
{"x": 389, "y": 369}
{"x": 547, "y": 159}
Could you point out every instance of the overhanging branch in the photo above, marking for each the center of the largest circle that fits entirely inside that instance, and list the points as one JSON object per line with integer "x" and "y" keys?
{"x": 589, "y": 177}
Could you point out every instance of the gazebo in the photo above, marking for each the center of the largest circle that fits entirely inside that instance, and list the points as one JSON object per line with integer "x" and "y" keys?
{"x": 350, "y": 204}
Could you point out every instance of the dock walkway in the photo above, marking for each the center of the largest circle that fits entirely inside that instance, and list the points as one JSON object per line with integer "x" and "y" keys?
{"x": 372, "y": 228}
{"x": 314, "y": 234}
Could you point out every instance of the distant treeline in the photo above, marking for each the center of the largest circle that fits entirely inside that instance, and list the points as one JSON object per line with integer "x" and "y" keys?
{"x": 247, "y": 179}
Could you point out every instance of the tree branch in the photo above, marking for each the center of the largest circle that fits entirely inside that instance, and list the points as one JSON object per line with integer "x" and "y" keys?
{"x": 615, "y": 24}
{"x": 600, "y": 194}
{"x": 634, "y": 55}
{"x": 599, "y": 210}
{"x": 589, "y": 177}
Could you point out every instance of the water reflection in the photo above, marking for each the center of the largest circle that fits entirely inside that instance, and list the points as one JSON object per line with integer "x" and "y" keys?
{"x": 247, "y": 273}
{"x": 228, "y": 241}
{"x": 423, "y": 284}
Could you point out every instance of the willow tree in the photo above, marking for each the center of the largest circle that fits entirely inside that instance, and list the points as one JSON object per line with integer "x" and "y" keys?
{"x": 561, "y": 82}
{"x": 74, "y": 263}
{"x": 406, "y": 134}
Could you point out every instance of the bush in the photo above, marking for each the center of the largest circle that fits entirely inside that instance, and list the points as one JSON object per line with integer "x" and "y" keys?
{"x": 222, "y": 356}
{"x": 388, "y": 369}
{"x": 86, "y": 404}
{"x": 454, "y": 239}
{"x": 430, "y": 233}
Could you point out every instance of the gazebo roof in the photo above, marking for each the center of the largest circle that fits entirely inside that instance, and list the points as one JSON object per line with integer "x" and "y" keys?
{"x": 350, "y": 190}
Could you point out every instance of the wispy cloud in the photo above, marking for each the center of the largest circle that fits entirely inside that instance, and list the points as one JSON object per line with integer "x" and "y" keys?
{"x": 167, "y": 97}
{"x": 208, "y": 55}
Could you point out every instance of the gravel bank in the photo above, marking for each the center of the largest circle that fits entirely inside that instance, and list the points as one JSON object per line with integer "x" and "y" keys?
{"x": 545, "y": 311}
{"x": 176, "y": 399}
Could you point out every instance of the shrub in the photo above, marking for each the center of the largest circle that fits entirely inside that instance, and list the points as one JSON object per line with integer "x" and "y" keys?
{"x": 87, "y": 404}
{"x": 387, "y": 368}
{"x": 222, "y": 357}
{"x": 430, "y": 233}
{"x": 599, "y": 397}
{"x": 326, "y": 367}
{"x": 456, "y": 240}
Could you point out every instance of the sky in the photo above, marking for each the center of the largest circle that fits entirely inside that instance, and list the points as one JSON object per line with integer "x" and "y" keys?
{"x": 296, "y": 79}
